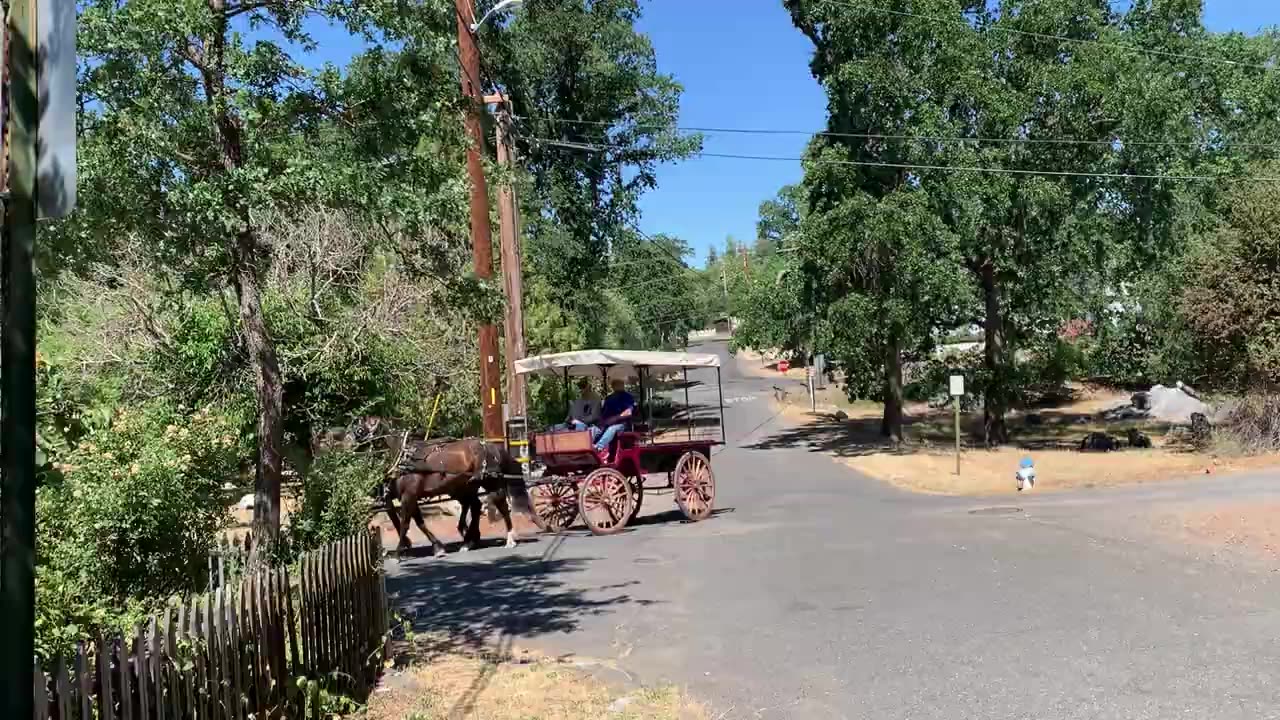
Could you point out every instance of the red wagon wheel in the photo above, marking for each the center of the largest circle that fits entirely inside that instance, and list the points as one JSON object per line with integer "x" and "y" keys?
{"x": 555, "y": 505}
{"x": 605, "y": 501}
{"x": 695, "y": 486}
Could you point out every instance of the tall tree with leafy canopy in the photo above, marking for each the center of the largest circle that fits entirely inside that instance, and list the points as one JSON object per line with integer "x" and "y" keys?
{"x": 896, "y": 79}
{"x": 207, "y": 131}
{"x": 578, "y": 71}
{"x": 660, "y": 288}
{"x": 779, "y": 218}
{"x": 881, "y": 262}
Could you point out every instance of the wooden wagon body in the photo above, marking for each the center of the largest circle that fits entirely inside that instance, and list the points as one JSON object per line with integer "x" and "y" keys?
{"x": 568, "y": 480}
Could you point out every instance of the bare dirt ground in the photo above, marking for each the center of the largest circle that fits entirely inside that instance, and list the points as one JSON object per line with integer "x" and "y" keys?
{"x": 765, "y": 365}
{"x": 1049, "y": 435}
{"x": 1246, "y": 531}
{"x": 448, "y": 683}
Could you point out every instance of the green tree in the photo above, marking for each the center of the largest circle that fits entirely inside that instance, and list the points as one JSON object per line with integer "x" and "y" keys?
{"x": 779, "y": 218}
{"x": 661, "y": 290}
{"x": 208, "y": 132}
{"x": 890, "y": 275}
{"x": 1229, "y": 287}
{"x": 578, "y": 72}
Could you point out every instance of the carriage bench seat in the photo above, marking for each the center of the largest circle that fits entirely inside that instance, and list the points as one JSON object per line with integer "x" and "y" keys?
{"x": 570, "y": 448}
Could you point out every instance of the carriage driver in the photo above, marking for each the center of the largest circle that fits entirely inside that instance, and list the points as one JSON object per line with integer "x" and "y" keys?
{"x": 618, "y": 408}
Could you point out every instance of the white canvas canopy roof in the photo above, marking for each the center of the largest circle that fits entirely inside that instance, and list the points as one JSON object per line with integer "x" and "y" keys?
{"x": 588, "y": 362}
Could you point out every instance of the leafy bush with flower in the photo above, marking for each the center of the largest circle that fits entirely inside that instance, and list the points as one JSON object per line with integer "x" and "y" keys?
{"x": 127, "y": 516}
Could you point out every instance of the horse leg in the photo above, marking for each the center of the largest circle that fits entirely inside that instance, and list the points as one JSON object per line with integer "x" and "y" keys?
{"x": 389, "y": 495}
{"x": 473, "y": 530}
{"x": 462, "y": 519}
{"x": 408, "y": 502}
{"x": 437, "y": 547}
{"x": 468, "y": 502}
{"x": 500, "y": 501}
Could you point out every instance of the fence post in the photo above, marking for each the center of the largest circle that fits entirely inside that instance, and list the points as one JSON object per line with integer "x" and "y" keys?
{"x": 140, "y": 666}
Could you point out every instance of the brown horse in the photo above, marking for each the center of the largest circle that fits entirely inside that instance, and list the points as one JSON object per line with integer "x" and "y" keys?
{"x": 460, "y": 469}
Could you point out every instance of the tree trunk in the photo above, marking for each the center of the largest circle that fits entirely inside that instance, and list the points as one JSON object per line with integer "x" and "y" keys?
{"x": 891, "y": 424}
{"x": 995, "y": 399}
{"x": 268, "y": 391}
{"x": 247, "y": 257}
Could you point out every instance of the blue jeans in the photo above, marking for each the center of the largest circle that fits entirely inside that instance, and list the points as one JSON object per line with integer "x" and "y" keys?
{"x": 577, "y": 425}
{"x": 608, "y": 435}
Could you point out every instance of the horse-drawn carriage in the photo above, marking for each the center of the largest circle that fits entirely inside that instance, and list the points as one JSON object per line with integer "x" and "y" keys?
{"x": 566, "y": 478}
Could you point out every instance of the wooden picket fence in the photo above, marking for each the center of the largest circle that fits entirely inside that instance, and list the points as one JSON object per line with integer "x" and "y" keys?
{"x": 263, "y": 649}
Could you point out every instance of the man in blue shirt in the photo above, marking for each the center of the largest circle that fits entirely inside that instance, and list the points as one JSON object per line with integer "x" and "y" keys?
{"x": 615, "y": 416}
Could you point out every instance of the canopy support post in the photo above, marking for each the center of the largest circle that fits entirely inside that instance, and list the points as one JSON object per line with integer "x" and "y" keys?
{"x": 688, "y": 409}
{"x": 720, "y": 392}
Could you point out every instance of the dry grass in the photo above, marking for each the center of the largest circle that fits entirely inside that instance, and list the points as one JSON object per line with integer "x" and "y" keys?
{"x": 926, "y": 461}
{"x": 991, "y": 472}
{"x": 453, "y": 684}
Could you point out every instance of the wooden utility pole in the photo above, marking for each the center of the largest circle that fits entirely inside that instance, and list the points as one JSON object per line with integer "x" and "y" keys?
{"x": 481, "y": 239}
{"x": 512, "y": 269}
{"x": 18, "y": 372}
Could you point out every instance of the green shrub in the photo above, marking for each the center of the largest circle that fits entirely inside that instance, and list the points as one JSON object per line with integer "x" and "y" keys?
{"x": 1123, "y": 350}
{"x": 129, "y": 516}
{"x": 337, "y": 497}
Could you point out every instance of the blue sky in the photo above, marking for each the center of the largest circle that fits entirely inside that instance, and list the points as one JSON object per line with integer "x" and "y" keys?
{"x": 743, "y": 64}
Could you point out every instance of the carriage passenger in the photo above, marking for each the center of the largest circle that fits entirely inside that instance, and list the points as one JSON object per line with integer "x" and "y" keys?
{"x": 584, "y": 412}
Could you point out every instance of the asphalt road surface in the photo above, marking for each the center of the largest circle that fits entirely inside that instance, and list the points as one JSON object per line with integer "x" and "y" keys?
{"x": 817, "y": 593}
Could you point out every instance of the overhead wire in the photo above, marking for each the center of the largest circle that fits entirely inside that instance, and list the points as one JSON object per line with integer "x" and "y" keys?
{"x": 1049, "y": 36}
{"x": 598, "y": 147}
{"x": 922, "y": 138}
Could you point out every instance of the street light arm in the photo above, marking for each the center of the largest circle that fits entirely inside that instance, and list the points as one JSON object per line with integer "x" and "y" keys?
{"x": 495, "y": 9}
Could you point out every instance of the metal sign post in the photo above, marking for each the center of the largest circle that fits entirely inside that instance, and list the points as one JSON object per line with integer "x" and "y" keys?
{"x": 40, "y": 68}
{"x": 957, "y": 392}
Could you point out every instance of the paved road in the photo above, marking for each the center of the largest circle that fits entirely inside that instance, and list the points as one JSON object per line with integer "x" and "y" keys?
{"x": 817, "y": 593}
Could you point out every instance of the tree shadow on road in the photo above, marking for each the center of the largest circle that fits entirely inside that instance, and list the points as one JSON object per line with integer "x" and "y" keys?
{"x": 483, "y": 607}
{"x": 1045, "y": 429}
{"x": 476, "y": 604}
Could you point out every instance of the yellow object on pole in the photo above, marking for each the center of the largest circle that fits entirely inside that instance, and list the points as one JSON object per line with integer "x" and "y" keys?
{"x": 431, "y": 422}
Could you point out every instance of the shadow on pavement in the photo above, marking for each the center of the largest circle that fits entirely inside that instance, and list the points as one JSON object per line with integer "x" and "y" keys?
{"x": 475, "y": 604}
{"x": 860, "y": 436}
{"x": 674, "y": 517}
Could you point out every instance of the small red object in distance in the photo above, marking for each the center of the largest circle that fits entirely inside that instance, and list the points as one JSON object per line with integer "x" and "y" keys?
{"x": 783, "y": 366}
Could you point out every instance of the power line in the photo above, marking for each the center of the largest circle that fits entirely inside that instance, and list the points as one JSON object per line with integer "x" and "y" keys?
{"x": 646, "y": 261}
{"x": 923, "y": 138}
{"x": 1046, "y": 36}
{"x": 661, "y": 247}
{"x": 619, "y": 288}
{"x": 915, "y": 166}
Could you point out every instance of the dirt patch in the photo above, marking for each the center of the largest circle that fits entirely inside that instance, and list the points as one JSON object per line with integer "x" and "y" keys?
{"x": 765, "y": 365}
{"x": 1249, "y": 530}
{"x": 925, "y": 462}
{"x": 454, "y": 683}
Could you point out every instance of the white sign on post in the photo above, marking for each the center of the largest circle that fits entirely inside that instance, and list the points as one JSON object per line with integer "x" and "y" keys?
{"x": 957, "y": 385}
{"x": 56, "y": 68}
